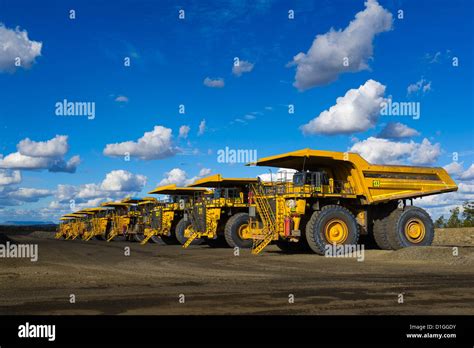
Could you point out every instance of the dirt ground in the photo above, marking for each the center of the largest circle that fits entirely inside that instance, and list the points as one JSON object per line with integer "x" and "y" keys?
{"x": 154, "y": 277}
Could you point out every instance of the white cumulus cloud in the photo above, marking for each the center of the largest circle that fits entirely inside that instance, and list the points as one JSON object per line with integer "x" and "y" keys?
{"x": 397, "y": 130}
{"x": 175, "y": 176}
{"x": 121, "y": 99}
{"x": 116, "y": 185}
{"x": 384, "y": 151}
{"x": 214, "y": 83}
{"x": 29, "y": 194}
{"x": 48, "y": 155}
{"x": 204, "y": 172}
{"x": 14, "y": 43}
{"x": 56, "y": 147}
{"x": 184, "y": 131}
{"x": 179, "y": 177}
{"x": 441, "y": 204}
{"x": 243, "y": 67}
{"x": 16, "y": 160}
{"x": 59, "y": 165}
{"x": 9, "y": 177}
{"x": 325, "y": 59}
{"x": 156, "y": 144}
{"x": 454, "y": 168}
{"x": 122, "y": 180}
{"x": 283, "y": 174}
{"x": 357, "y": 111}
{"x": 468, "y": 174}
{"x": 202, "y": 127}
{"x": 11, "y": 196}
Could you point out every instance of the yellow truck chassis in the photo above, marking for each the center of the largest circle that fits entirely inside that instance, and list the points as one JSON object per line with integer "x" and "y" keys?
{"x": 165, "y": 217}
{"x": 335, "y": 197}
{"x": 212, "y": 215}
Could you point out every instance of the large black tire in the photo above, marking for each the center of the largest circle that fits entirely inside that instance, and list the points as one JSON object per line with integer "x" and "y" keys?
{"x": 231, "y": 231}
{"x": 381, "y": 227}
{"x": 315, "y": 228}
{"x": 168, "y": 240}
{"x": 399, "y": 222}
{"x": 179, "y": 233}
{"x": 136, "y": 236}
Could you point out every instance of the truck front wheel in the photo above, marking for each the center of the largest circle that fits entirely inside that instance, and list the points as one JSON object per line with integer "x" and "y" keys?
{"x": 332, "y": 225}
{"x": 234, "y": 229}
{"x": 180, "y": 230}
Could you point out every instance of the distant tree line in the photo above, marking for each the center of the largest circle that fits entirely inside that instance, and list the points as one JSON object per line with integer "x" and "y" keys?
{"x": 458, "y": 219}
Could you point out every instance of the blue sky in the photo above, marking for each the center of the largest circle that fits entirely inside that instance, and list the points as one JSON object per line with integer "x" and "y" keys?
{"x": 82, "y": 60}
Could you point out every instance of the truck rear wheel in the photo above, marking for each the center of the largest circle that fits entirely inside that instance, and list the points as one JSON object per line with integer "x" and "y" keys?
{"x": 380, "y": 229}
{"x": 333, "y": 224}
{"x": 411, "y": 226}
{"x": 181, "y": 228}
{"x": 233, "y": 231}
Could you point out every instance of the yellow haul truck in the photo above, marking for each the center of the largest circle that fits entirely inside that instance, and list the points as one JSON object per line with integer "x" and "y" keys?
{"x": 140, "y": 213}
{"x": 98, "y": 223}
{"x": 168, "y": 213}
{"x": 220, "y": 217}
{"x": 120, "y": 218}
{"x": 85, "y": 223}
{"x": 63, "y": 227}
{"x": 334, "y": 197}
{"x": 76, "y": 225}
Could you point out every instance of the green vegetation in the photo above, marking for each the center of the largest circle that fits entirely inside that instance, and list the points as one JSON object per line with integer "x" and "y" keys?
{"x": 458, "y": 219}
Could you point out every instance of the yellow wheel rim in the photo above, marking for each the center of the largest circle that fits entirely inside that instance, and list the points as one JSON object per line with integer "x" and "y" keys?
{"x": 415, "y": 230}
{"x": 336, "y": 231}
{"x": 242, "y": 229}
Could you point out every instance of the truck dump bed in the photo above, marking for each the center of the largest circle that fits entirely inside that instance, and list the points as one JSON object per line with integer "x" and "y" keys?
{"x": 375, "y": 183}
{"x": 218, "y": 181}
{"x": 174, "y": 190}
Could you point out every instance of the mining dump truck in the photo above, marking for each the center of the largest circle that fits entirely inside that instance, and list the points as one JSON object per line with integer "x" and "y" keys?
{"x": 98, "y": 222}
{"x": 120, "y": 218}
{"x": 85, "y": 223}
{"x": 334, "y": 197}
{"x": 64, "y": 227}
{"x": 139, "y": 212}
{"x": 220, "y": 217}
{"x": 74, "y": 226}
{"x": 166, "y": 216}
{"x": 86, "y": 220}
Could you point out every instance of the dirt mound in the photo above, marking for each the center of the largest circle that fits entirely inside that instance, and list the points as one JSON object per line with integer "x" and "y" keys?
{"x": 42, "y": 234}
{"x": 444, "y": 255}
{"x": 454, "y": 236}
